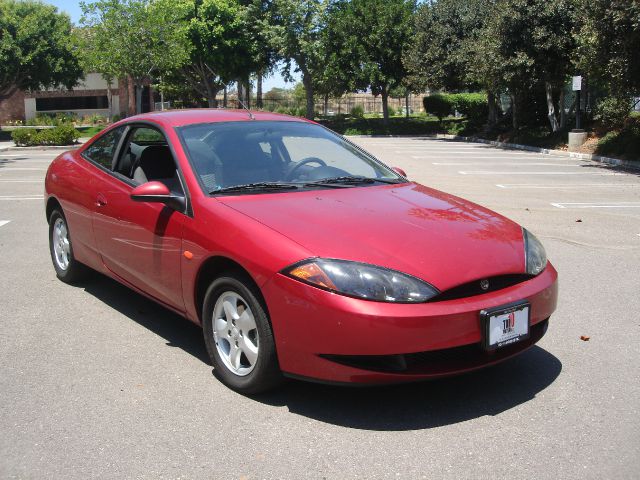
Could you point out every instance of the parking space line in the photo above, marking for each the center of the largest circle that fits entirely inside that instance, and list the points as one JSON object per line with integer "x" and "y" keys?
{"x": 21, "y": 181}
{"x": 21, "y": 197}
{"x": 14, "y": 169}
{"x": 523, "y": 163}
{"x": 486, "y": 172}
{"x": 597, "y": 205}
{"x": 565, "y": 185}
{"x": 4, "y": 222}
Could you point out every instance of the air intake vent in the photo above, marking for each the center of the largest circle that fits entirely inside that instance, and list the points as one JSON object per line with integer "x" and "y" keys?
{"x": 480, "y": 286}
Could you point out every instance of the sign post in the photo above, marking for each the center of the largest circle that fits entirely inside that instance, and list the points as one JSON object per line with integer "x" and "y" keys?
{"x": 577, "y": 87}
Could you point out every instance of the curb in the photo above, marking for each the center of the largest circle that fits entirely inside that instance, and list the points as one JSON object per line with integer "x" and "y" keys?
{"x": 616, "y": 162}
{"x": 50, "y": 147}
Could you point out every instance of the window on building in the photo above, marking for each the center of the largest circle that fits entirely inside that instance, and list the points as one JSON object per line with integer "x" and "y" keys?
{"x": 72, "y": 103}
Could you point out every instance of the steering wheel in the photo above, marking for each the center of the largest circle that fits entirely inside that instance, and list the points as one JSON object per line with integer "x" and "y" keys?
{"x": 303, "y": 162}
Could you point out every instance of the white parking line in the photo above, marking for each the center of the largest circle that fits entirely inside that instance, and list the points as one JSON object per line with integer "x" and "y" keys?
{"x": 565, "y": 185}
{"x": 523, "y": 163}
{"x": 26, "y": 155}
{"x": 14, "y": 169}
{"x": 474, "y": 157}
{"x": 597, "y": 205}
{"x": 4, "y": 222}
{"x": 484, "y": 172}
{"x": 21, "y": 181}
{"x": 21, "y": 197}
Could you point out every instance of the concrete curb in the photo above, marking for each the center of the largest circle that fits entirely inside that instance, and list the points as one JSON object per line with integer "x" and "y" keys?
{"x": 61, "y": 148}
{"x": 616, "y": 162}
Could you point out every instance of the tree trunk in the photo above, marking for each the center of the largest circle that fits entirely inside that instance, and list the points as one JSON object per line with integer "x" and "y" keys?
{"x": 326, "y": 104}
{"x": 385, "y": 105}
{"x": 109, "y": 100}
{"x": 259, "y": 91}
{"x": 563, "y": 112}
{"x": 131, "y": 89}
{"x": 551, "y": 115}
{"x": 138, "y": 88}
{"x": 308, "y": 89}
{"x": 247, "y": 91}
{"x": 514, "y": 111}
{"x": 240, "y": 94}
{"x": 224, "y": 97}
{"x": 492, "y": 117}
{"x": 406, "y": 104}
{"x": 211, "y": 95}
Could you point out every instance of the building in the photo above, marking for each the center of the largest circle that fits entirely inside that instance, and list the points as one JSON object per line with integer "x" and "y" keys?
{"x": 89, "y": 97}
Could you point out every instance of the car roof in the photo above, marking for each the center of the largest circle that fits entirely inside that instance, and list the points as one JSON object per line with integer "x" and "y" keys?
{"x": 179, "y": 118}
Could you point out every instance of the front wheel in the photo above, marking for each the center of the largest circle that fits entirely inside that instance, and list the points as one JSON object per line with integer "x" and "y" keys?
{"x": 238, "y": 335}
{"x": 68, "y": 269}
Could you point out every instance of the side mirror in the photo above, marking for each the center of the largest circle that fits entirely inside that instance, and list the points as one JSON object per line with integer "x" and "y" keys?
{"x": 399, "y": 171}
{"x": 157, "y": 192}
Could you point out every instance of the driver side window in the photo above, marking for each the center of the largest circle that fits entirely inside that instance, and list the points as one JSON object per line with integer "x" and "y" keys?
{"x": 147, "y": 157}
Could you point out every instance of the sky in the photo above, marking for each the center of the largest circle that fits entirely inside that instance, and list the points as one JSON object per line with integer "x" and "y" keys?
{"x": 73, "y": 9}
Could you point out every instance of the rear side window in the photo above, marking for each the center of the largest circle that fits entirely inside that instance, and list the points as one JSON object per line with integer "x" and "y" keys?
{"x": 103, "y": 149}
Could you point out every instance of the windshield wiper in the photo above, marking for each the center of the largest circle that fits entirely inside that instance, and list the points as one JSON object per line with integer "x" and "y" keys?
{"x": 247, "y": 187}
{"x": 353, "y": 180}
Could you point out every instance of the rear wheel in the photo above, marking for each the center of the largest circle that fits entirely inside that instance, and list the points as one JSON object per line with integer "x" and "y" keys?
{"x": 68, "y": 269}
{"x": 238, "y": 335}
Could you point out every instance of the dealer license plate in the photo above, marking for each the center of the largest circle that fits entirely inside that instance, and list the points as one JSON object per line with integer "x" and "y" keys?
{"x": 505, "y": 325}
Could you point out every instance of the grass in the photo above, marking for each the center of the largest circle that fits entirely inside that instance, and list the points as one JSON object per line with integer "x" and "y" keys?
{"x": 90, "y": 131}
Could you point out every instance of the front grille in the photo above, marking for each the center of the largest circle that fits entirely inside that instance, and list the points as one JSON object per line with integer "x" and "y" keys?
{"x": 439, "y": 362}
{"x": 473, "y": 288}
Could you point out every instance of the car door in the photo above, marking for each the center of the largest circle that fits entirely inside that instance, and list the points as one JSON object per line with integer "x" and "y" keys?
{"x": 139, "y": 242}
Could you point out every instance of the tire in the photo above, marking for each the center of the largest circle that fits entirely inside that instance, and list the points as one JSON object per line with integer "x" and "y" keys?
{"x": 242, "y": 350}
{"x": 67, "y": 268}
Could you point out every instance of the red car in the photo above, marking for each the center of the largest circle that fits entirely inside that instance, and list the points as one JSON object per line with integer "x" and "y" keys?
{"x": 300, "y": 254}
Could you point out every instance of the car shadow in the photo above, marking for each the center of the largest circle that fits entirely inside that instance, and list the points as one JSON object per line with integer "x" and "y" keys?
{"x": 176, "y": 330}
{"x": 427, "y": 404}
{"x": 389, "y": 408}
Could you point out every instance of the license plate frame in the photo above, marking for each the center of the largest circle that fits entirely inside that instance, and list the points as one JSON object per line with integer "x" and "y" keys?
{"x": 491, "y": 319}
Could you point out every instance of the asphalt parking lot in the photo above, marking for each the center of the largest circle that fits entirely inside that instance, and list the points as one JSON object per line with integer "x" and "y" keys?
{"x": 98, "y": 382}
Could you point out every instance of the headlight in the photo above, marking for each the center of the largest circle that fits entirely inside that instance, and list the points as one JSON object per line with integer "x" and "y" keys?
{"x": 362, "y": 280}
{"x": 535, "y": 256}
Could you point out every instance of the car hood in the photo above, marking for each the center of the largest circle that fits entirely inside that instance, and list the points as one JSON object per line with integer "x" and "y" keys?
{"x": 443, "y": 239}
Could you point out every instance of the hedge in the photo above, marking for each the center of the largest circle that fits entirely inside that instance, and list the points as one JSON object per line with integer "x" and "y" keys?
{"x": 60, "y": 135}
{"x": 473, "y": 106}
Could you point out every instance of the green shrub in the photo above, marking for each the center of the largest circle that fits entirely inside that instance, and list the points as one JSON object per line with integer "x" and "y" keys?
{"x": 611, "y": 112}
{"x": 23, "y": 137}
{"x": 357, "y": 111}
{"x": 281, "y": 110}
{"x": 624, "y": 143}
{"x": 60, "y": 135}
{"x": 439, "y": 105}
{"x": 473, "y": 106}
{"x": 352, "y": 131}
{"x": 116, "y": 117}
{"x": 391, "y": 111}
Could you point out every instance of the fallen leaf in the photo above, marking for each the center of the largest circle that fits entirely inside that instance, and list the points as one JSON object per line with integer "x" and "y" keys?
{"x": 584, "y": 338}
{"x": 579, "y": 220}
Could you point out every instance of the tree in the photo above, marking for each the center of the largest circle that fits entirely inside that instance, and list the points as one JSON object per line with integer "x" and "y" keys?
{"x": 369, "y": 37}
{"x": 608, "y": 40}
{"x": 296, "y": 37}
{"x": 137, "y": 38}
{"x": 437, "y": 57}
{"x": 36, "y": 51}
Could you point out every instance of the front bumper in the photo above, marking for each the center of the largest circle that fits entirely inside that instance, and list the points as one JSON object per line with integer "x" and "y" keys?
{"x": 333, "y": 338}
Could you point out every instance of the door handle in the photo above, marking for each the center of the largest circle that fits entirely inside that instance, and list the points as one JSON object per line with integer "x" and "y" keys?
{"x": 101, "y": 201}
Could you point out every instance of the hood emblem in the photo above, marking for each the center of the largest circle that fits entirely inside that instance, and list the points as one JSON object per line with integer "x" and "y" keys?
{"x": 484, "y": 284}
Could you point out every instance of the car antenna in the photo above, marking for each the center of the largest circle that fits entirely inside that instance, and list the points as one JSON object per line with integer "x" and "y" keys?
{"x": 242, "y": 103}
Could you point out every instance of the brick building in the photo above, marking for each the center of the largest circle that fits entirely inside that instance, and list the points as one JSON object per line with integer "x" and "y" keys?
{"x": 89, "y": 97}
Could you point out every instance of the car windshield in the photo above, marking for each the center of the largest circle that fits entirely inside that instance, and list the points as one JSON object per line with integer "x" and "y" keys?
{"x": 272, "y": 156}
